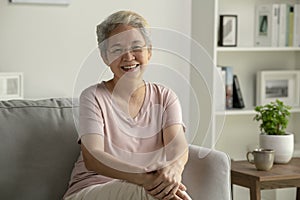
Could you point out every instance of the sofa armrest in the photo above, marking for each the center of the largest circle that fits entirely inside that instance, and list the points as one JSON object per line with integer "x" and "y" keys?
{"x": 207, "y": 174}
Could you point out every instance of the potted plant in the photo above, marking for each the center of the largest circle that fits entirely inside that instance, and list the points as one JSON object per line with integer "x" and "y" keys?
{"x": 274, "y": 118}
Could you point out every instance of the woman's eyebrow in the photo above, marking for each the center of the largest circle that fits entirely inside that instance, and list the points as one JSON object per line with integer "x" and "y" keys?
{"x": 115, "y": 45}
{"x": 137, "y": 42}
{"x": 133, "y": 42}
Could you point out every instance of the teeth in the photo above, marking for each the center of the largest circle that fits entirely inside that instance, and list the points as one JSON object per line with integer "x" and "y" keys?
{"x": 129, "y": 67}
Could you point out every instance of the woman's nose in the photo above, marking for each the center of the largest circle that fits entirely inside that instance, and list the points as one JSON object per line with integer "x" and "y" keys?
{"x": 128, "y": 55}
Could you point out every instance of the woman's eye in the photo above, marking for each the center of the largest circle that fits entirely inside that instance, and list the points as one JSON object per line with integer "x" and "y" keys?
{"x": 136, "y": 48}
{"x": 117, "y": 51}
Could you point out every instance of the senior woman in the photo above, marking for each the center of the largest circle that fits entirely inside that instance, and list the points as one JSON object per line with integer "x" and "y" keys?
{"x": 130, "y": 131}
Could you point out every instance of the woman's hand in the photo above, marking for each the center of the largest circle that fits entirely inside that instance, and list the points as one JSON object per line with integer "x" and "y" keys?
{"x": 166, "y": 183}
{"x": 166, "y": 179}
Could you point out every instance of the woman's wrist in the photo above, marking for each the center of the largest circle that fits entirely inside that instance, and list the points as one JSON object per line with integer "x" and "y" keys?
{"x": 144, "y": 179}
{"x": 138, "y": 178}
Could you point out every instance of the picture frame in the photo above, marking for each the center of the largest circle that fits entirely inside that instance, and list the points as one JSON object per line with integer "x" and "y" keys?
{"x": 62, "y": 2}
{"x": 282, "y": 85}
{"x": 11, "y": 85}
{"x": 228, "y": 31}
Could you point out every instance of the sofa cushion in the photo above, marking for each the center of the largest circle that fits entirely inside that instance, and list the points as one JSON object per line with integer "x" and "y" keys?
{"x": 38, "y": 148}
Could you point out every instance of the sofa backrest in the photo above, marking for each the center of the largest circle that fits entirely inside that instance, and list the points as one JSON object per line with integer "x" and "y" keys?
{"x": 38, "y": 148}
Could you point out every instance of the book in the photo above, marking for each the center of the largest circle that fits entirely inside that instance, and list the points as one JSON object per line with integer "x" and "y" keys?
{"x": 296, "y": 25}
{"x": 284, "y": 12}
{"x": 238, "y": 101}
{"x": 291, "y": 27}
{"x": 266, "y": 25}
{"x": 228, "y": 86}
{"x": 220, "y": 90}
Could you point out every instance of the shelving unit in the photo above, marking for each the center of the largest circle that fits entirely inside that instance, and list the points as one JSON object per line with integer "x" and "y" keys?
{"x": 238, "y": 132}
{"x": 246, "y": 59}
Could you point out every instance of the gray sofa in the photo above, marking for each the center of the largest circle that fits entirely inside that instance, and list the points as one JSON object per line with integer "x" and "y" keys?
{"x": 38, "y": 150}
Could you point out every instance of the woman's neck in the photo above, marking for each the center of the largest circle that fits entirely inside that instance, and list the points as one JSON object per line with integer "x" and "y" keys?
{"x": 126, "y": 89}
{"x": 128, "y": 96}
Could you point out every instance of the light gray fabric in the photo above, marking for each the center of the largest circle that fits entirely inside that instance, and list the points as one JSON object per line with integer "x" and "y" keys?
{"x": 207, "y": 174}
{"x": 38, "y": 150}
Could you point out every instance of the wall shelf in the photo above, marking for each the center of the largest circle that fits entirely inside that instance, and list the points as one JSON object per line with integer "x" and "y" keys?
{"x": 247, "y": 111}
{"x": 257, "y": 49}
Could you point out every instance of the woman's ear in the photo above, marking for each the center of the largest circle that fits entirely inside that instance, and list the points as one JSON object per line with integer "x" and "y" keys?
{"x": 149, "y": 51}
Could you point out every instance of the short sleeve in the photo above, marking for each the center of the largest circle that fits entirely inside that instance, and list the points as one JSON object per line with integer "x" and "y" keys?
{"x": 172, "y": 113}
{"x": 90, "y": 113}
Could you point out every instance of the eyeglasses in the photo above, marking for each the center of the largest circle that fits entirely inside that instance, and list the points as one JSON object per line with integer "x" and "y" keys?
{"x": 118, "y": 51}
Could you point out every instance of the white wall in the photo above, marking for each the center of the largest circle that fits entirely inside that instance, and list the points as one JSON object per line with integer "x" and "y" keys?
{"x": 48, "y": 43}
{"x": 201, "y": 74}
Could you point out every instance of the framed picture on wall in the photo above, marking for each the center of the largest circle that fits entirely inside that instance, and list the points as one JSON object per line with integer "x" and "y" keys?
{"x": 282, "y": 85}
{"x": 64, "y": 2}
{"x": 11, "y": 86}
{"x": 228, "y": 31}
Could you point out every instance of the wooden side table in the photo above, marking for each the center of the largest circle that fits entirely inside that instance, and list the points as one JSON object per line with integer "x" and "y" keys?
{"x": 280, "y": 176}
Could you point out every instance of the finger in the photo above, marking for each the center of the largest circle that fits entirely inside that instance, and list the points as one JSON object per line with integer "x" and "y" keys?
{"x": 182, "y": 187}
{"x": 159, "y": 184}
{"x": 175, "y": 197}
{"x": 172, "y": 192}
{"x": 183, "y": 195}
{"x": 162, "y": 191}
{"x": 156, "y": 190}
{"x": 166, "y": 196}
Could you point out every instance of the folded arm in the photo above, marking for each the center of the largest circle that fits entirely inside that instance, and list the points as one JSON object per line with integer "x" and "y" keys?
{"x": 95, "y": 159}
{"x": 168, "y": 183}
{"x": 163, "y": 183}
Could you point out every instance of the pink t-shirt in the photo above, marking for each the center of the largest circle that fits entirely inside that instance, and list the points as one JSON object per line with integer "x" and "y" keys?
{"x": 137, "y": 140}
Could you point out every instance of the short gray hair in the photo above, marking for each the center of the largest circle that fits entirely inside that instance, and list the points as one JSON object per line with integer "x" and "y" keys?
{"x": 121, "y": 17}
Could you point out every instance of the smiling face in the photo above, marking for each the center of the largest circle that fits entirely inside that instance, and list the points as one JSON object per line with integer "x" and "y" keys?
{"x": 127, "y": 53}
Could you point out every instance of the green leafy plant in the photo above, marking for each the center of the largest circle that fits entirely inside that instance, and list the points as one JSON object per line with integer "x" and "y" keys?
{"x": 274, "y": 117}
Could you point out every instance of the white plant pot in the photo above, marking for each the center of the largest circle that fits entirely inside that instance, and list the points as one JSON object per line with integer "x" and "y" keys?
{"x": 282, "y": 144}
